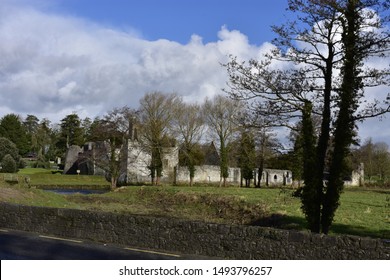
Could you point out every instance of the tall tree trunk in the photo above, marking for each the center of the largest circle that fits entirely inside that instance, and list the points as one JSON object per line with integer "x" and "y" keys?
{"x": 260, "y": 173}
{"x": 158, "y": 180}
{"x": 323, "y": 139}
{"x": 343, "y": 136}
{"x": 191, "y": 169}
{"x": 224, "y": 163}
{"x": 113, "y": 182}
{"x": 152, "y": 174}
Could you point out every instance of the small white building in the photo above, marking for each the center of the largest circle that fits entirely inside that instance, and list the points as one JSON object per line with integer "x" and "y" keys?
{"x": 276, "y": 177}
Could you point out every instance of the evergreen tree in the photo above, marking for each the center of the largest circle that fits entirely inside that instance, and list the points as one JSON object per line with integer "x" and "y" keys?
{"x": 71, "y": 132}
{"x": 247, "y": 156}
{"x": 31, "y": 124}
{"x": 13, "y": 129}
{"x": 9, "y": 149}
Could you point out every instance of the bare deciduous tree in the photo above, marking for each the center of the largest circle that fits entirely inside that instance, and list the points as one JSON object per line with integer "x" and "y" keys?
{"x": 156, "y": 115}
{"x": 220, "y": 114}
{"x": 110, "y": 152}
{"x": 188, "y": 126}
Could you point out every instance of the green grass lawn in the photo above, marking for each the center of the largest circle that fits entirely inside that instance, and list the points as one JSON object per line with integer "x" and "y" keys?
{"x": 364, "y": 212}
{"x": 44, "y": 177}
{"x": 30, "y": 171}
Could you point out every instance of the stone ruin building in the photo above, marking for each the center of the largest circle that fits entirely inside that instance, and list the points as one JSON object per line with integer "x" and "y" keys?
{"x": 137, "y": 160}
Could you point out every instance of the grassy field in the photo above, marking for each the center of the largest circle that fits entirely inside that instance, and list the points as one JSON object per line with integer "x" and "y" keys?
{"x": 50, "y": 178}
{"x": 364, "y": 212}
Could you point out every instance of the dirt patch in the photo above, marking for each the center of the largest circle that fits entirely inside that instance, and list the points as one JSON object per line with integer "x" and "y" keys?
{"x": 229, "y": 209}
{"x": 7, "y": 194}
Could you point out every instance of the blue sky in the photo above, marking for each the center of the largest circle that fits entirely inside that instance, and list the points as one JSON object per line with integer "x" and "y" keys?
{"x": 177, "y": 20}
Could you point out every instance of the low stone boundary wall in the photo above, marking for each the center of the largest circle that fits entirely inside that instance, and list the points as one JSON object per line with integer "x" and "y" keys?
{"x": 189, "y": 237}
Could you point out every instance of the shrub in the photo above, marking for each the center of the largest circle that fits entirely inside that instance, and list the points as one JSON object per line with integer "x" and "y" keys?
{"x": 8, "y": 148}
{"x": 22, "y": 164}
{"x": 8, "y": 164}
{"x": 41, "y": 164}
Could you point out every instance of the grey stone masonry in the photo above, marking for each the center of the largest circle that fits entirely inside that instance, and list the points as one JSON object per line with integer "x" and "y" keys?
{"x": 190, "y": 237}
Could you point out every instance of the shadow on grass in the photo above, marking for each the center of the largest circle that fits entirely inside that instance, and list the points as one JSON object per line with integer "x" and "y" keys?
{"x": 359, "y": 231}
{"x": 281, "y": 221}
{"x": 299, "y": 223}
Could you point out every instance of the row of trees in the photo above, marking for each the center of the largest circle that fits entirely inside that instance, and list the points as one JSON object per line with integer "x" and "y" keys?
{"x": 162, "y": 120}
{"x": 42, "y": 139}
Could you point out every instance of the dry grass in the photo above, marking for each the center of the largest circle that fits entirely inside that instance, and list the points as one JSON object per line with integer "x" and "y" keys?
{"x": 362, "y": 212}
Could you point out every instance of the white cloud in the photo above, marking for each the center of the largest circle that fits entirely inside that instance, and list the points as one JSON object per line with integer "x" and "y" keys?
{"x": 53, "y": 64}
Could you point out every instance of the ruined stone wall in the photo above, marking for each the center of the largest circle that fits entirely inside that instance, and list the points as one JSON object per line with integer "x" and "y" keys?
{"x": 207, "y": 174}
{"x": 170, "y": 159}
{"x": 71, "y": 157}
{"x": 276, "y": 177}
{"x": 198, "y": 238}
{"x": 211, "y": 174}
{"x": 138, "y": 161}
{"x": 357, "y": 177}
{"x": 137, "y": 164}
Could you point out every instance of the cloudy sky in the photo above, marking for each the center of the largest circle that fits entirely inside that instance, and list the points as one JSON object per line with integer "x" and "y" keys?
{"x": 88, "y": 56}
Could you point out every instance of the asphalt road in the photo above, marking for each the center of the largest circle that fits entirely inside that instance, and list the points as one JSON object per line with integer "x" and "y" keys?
{"x": 18, "y": 245}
